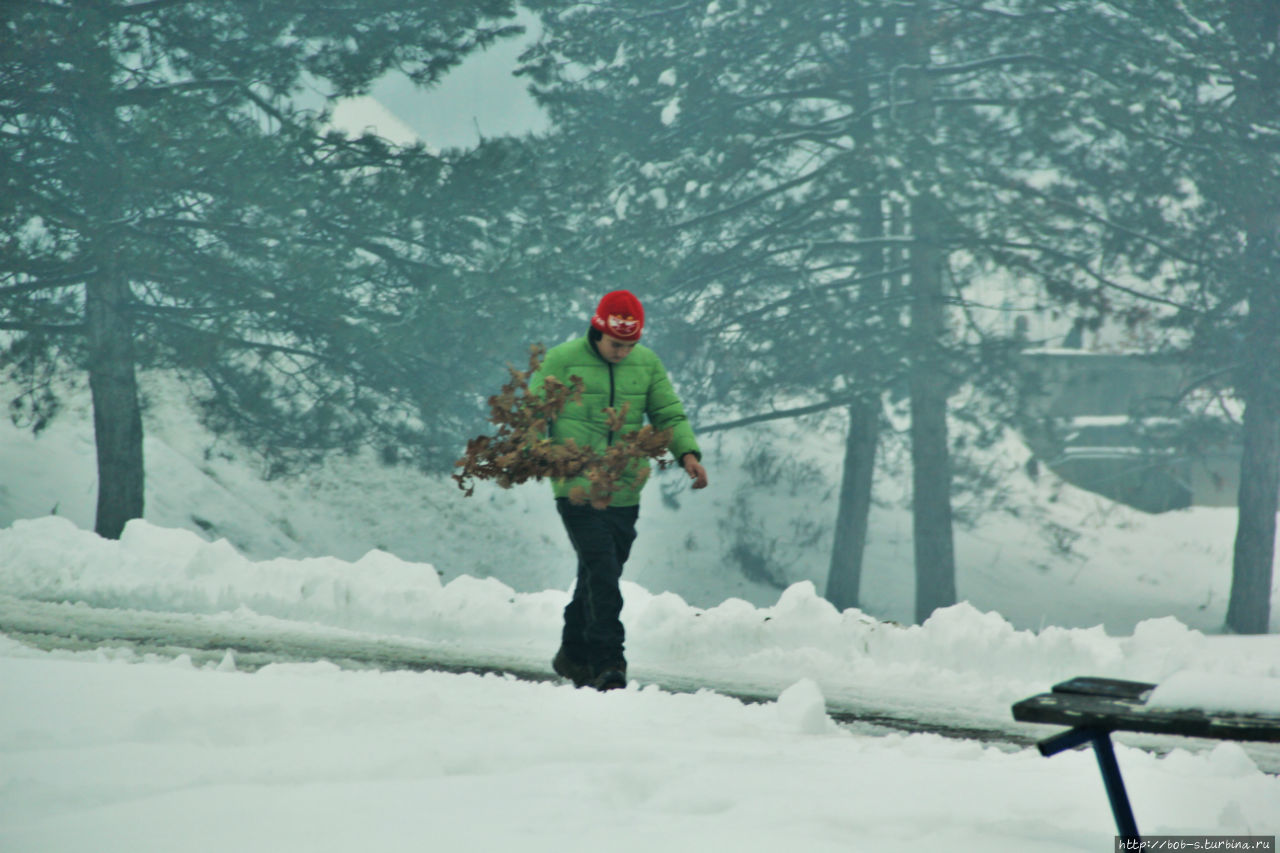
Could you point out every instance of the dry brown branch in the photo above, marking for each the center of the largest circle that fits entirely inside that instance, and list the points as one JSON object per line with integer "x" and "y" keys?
{"x": 521, "y": 451}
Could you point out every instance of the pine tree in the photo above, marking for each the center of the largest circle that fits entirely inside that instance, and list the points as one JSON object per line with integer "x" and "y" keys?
{"x": 1185, "y": 104}
{"x": 816, "y": 187}
{"x": 168, "y": 203}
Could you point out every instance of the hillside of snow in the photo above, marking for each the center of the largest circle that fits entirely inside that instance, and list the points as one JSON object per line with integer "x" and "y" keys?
{"x": 1067, "y": 558}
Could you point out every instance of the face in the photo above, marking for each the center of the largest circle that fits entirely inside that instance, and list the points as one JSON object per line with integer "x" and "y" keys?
{"x": 613, "y": 350}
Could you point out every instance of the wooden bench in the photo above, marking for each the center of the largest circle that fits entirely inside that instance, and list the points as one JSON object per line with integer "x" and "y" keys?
{"x": 1096, "y": 707}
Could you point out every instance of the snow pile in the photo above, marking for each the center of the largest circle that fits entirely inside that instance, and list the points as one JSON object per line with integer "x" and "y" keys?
{"x": 960, "y": 656}
{"x": 803, "y": 709}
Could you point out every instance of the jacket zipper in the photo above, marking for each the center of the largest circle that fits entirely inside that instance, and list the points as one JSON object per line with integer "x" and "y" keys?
{"x": 609, "y": 440}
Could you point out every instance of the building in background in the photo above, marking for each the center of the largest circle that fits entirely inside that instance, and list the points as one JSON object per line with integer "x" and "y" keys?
{"x": 1118, "y": 424}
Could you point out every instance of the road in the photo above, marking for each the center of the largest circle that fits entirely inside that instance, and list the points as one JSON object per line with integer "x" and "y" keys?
{"x": 256, "y": 641}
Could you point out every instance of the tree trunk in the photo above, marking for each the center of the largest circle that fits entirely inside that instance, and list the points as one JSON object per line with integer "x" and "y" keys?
{"x": 1253, "y": 563}
{"x": 844, "y": 574}
{"x": 117, "y": 417}
{"x": 1255, "y": 25}
{"x": 930, "y": 455}
{"x": 844, "y": 577}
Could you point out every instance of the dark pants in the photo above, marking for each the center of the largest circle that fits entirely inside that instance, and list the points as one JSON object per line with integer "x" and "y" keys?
{"x": 593, "y": 632}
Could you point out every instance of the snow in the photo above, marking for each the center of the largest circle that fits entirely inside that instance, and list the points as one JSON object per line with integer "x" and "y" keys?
{"x": 110, "y": 754}
{"x": 670, "y": 112}
{"x": 173, "y": 741}
{"x": 1218, "y": 692}
{"x": 307, "y": 757}
{"x": 148, "y": 752}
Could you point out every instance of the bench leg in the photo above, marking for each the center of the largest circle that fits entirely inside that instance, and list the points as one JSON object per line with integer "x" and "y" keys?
{"x": 1107, "y": 764}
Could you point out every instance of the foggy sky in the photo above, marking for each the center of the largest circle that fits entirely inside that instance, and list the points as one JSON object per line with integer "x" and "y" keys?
{"x": 478, "y": 98}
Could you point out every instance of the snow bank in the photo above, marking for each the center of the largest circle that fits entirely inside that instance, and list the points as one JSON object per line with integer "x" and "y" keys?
{"x": 959, "y": 652}
{"x": 1066, "y": 558}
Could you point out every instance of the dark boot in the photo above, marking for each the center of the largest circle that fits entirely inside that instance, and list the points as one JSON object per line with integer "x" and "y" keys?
{"x": 579, "y": 672}
{"x": 611, "y": 676}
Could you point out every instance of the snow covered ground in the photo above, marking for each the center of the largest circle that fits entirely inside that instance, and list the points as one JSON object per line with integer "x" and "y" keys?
{"x": 106, "y": 747}
{"x": 108, "y": 755}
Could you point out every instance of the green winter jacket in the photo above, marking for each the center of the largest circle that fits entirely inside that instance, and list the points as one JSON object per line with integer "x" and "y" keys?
{"x": 640, "y": 380}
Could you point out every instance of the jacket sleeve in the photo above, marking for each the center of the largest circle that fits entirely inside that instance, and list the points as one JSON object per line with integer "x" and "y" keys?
{"x": 550, "y": 366}
{"x": 665, "y": 411}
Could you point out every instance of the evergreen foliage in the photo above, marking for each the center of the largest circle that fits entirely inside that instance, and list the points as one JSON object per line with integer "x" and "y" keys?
{"x": 815, "y": 193}
{"x": 815, "y": 188}
{"x": 168, "y": 203}
{"x": 1178, "y": 140}
{"x": 819, "y": 187}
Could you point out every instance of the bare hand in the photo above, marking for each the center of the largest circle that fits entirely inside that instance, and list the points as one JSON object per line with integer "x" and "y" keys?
{"x": 695, "y": 470}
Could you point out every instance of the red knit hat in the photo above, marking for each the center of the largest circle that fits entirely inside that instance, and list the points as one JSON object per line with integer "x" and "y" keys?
{"x": 619, "y": 315}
